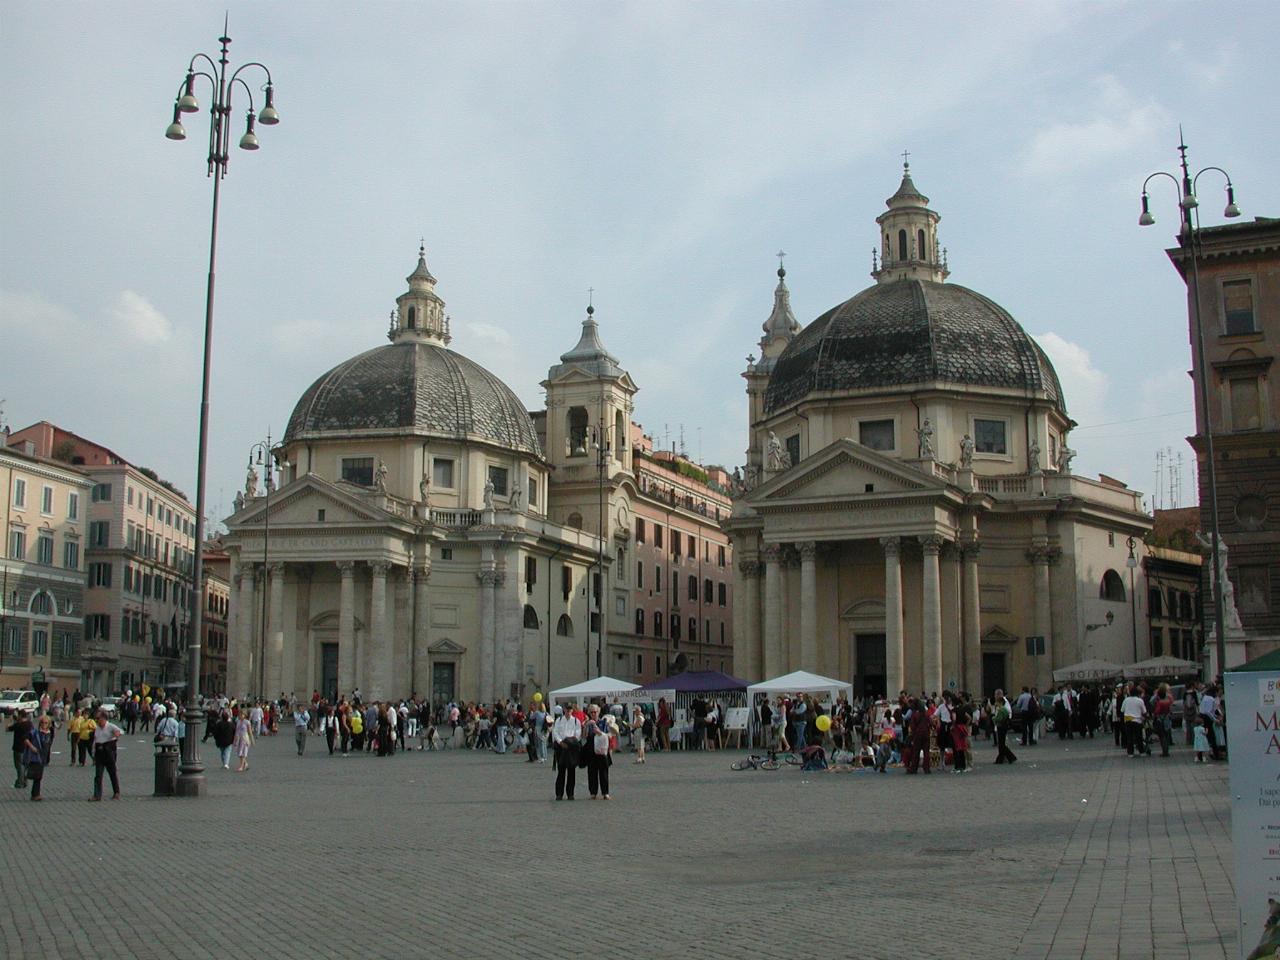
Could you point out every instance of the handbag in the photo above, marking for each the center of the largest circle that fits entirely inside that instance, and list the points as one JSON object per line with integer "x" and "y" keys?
{"x": 601, "y": 744}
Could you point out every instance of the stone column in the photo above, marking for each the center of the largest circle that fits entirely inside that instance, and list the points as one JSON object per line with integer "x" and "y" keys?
{"x": 347, "y": 628}
{"x": 233, "y": 633}
{"x": 275, "y": 632}
{"x": 808, "y": 606}
{"x": 247, "y": 639}
{"x": 1041, "y": 556}
{"x": 790, "y": 614}
{"x": 772, "y": 610}
{"x": 931, "y": 617}
{"x": 894, "y": 678}
{"x": 420, "y": 641}
{"x": 488, "y": 619}
{"x": 378, "y": 651}
{"x": 746, "y": 628}
{"x": 972, "y": 623}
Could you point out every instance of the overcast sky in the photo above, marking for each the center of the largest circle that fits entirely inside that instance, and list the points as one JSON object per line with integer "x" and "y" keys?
{"x": 658, "y": 152}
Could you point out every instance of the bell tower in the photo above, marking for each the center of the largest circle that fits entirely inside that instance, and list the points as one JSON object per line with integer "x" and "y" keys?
{"x": 779, "y": 330}
{"x": 908, "y": 237}
{"x": 419, "y": 315}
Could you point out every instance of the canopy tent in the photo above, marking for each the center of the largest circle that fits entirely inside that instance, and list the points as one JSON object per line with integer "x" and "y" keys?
{"x": 605, "y": 687}
{"x": 1088, "y": 670}
{"x": 729, "y": 692}
{"x": 801, "y": 681}
{"x": 1161, "y": 667}
{"x": 698, "y": 681}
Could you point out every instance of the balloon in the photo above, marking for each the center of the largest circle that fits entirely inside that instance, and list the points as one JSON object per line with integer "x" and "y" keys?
{"x": 537, "y": 698}
{"x": 147, "y": 700}
{"x": 823, "y": 723}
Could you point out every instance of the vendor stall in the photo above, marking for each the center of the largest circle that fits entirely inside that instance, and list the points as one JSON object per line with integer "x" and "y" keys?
{"x": 1161, "y": 668}
{"x": 681, "y": 690}
{"x": 801, "y": 681}
{"x": 1088, "y": 671}
{"x": 599, "y": 688}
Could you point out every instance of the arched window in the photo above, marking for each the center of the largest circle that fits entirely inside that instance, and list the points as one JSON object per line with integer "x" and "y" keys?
{"x": 530, "y": 618}
{"x": 413, "y": 318}
{"x": 640, "y": 622}
{"x": 693, "y": 588}
{"x": 576, "y": 425}
{"x": 564, "y": 626}
{"x": 620, "y": 439}
{"x": 1112, "y": 587}
{"x": 42, "y": 604}
{"x": 657, "y": 623}
{"x": 1155, "y": 602}
{"x": 575, "y": 521}
{"x": 902, "y": 245}
{"x": 921, "y": 252}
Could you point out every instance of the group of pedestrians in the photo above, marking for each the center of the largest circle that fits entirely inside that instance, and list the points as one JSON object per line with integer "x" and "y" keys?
{"x": 32, "y": 742}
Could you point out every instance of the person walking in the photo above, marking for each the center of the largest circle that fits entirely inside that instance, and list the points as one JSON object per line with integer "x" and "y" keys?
{"x": 566, "y": 738}
{"x": 301, "y": 722}
{"x": 1002, "y": 717}
{"x": 224, "y": 735}
{"x": 1135, "y": 712}
{"x": 105, "y": 735}
{"x": 664, "y": 724}
{"x": 538, "y": 733}
{"x": 1209, "y": 710}
{"x": 35, "y": 753}
{"x": 243, "y": 740}
{"x": 595, "y": 739}
{"x": 638, "y": 722}
{"x": 1162, "y": 718}
{"x": 21, "y": 729}
{"x": 329, "y": 721}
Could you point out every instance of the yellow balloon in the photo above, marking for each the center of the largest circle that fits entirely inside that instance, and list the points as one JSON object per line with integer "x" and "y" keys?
{"x": 537, "y": 698}
{"x": 823, "y": 723}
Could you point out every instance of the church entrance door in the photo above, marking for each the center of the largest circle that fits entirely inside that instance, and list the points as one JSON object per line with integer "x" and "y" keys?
{"x": 443, "y": 676}
{"x": 329, "y": 671}
{"x": 993, "y": 673}
{"x": 870, "y": 672}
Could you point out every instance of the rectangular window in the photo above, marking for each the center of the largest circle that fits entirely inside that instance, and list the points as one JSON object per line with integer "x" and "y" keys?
{"x": 657, "y": 664}
{"x": 675, "y": 585}
{"x": 639, "y": 575}
{"x": 620, "y": 606}
{"x": 39, "y": 643}
{"x": 693, "y": 547}
{"x": 722, "y": 594}
{"x": 675, "y": 544}
{"x": 657, "y": 579}
{"x": 446, "y": 553}
{"x": 19, "y": 492}
{"x": 17, "y": 545}
{"x": 793, "y": 448}
{"x": 1237, "y": 306}
{"x": 100, "y": 575}
{"x": 13, "y": 641}
{"x": 720, "y": 556}
{"x": 533, "y": 492}
{"x": 442, "y": 472}
{"x": 639, "y": 663}
{"x": 657, "y": 536}
{"x": 639, "y": 530}
{"x": 595, "y": 590}
{"x": 566, "y": 581}
{"x": 46, "y": 501}
{"x": 99, "y": 533}
{"x": 101, "y": 493}
{"x": 358, "y": 470}
{"x": 67, "y": 645}
{"x": 989, "y": 436}
{"x": 71, "y": 555}
{"x": 73, "y": 506}
{"x": 693, "y": 589}
{"x": 876, "y": 434}
{"x": 498, "y": 477}
{"x": 1245, "y": 405}
{"x": 44, "y": 549}
{"x": 130, "y": 492}
{"x": 530, "y": 573}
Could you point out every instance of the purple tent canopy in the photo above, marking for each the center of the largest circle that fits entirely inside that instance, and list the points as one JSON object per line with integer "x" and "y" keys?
{"x": 697, "y": 681}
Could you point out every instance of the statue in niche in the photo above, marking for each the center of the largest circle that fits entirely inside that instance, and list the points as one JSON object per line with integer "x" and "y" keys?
{"x": 380, "y": 476}
{"x": 925, "y": 435}
{"x": 488, "y": 494}
{"x": 515, "y": 502}
{"x": 424, "y": 491}
{"x": 777, "y": 458}
{"x": 966, "y": 452}
{"x": 1033, "y": 455}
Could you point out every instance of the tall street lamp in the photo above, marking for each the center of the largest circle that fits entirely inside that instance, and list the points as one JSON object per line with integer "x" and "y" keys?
{"x": 260, "y": 453}
{"x": 191, "y": 782}
{"x": 1189, "y": 239}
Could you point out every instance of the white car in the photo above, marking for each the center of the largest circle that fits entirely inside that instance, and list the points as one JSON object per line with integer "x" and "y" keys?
{"x": 110, "y": 706}
{"x": 13, "y": 700}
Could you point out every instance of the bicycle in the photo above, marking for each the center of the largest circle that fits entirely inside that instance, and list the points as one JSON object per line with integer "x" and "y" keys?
{"x": 755, "y": 762}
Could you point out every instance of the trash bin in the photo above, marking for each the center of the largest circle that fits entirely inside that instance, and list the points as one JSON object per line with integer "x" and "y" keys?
{"x": 167, "y": 756}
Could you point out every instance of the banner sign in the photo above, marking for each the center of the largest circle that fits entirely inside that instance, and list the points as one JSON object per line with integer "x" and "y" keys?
{"x": 1253, "y": 736}
{"x": 735, "y": 718}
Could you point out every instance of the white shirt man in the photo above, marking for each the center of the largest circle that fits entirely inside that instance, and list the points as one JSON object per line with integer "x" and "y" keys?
{"x": 1134, "y": 709}
{"x": 566, "y": 727}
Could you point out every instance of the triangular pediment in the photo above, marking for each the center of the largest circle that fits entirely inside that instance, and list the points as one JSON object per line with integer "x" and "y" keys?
{"x": 845, "y": 468}
{"x": 446, "y": 647}
{"x": 300, "y": 502}
{"x": 998, "y": 635}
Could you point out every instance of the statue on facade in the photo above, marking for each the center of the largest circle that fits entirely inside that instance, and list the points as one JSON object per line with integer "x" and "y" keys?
{"x": 269, "y": 479}
{"x": 424, "y": 490}
{"x": 1065, "y": 456}
{"x": 515, "y": 502}
{"x": 776, "y": 456}
{"x": 751, "y": 478}
{"x": 966, "y": 452}
{"x": 488, "y": 494}
{"x": 925, "y": 435}
{"x": 1230, "y": 615}
{"x": 250, "y": 482}
{"x": 239, "y": 501}
{"x": 1033, "y": 456}
{"x": 380, "y": 476}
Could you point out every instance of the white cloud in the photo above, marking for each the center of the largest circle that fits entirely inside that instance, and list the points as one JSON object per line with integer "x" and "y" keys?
{"x": 138, "y": 318}
{"x": 1083, "y": 383}
{"x": 1114, "y": 123}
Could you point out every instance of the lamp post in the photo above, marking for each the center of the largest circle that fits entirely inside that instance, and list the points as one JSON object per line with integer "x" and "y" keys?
{"x": 191, "y": 782}
{"x": 1189, "y": 238}
{"x": 260, "y": 453}
{"x": 1132, "y": 563}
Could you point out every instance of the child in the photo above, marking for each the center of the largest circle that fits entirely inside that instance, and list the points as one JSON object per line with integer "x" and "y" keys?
{"x": 1201, "y": 738}
{"x": 960, "y": 742}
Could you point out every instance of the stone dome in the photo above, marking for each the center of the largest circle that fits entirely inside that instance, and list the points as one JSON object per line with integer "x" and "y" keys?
{"x": 418, "y": 388}
{"x": 908, "y": 333}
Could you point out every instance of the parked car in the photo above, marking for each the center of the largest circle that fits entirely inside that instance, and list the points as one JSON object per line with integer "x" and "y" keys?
{"x": 110, "y": 706}
{"x": 14, "y": 700}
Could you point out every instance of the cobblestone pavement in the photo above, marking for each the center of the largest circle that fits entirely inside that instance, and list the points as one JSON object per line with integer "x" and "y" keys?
{"x": 1075, "y": 851}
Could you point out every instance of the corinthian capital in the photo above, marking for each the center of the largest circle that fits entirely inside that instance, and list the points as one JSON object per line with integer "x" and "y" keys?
{"x": 892, "y": 546}
{"x": 772, "y": 552}
{"x": 931, "y": 543}
{"x": 808, "y": 550}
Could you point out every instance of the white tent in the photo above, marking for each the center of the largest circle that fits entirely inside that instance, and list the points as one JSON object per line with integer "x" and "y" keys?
{"x": 1158, "y": 667}
{"x": 590, "y": 689}
{"x": 801, "y": 681}
{"x": 1088, "y": 670}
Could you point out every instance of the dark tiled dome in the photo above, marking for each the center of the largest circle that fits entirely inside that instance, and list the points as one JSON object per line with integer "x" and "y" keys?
{"x": 907, "y": 333}
{"x": 413, "y": 388}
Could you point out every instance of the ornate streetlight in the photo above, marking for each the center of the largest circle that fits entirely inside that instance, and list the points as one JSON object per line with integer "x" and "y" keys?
{"x": 1189, "y": 238}
{"x": 191, "y": 782}
{"x": 260, "y": 453}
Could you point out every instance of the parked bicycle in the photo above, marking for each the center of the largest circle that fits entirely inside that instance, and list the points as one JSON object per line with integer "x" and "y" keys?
{"x": 756, "y": 761}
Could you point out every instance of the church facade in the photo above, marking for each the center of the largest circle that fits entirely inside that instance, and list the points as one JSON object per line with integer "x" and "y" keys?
{"x": 908, "y": 518}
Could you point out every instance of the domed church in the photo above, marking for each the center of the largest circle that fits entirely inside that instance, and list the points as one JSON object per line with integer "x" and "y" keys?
{"x": 409, "y": 546}
{"x": 908, "y": 517}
